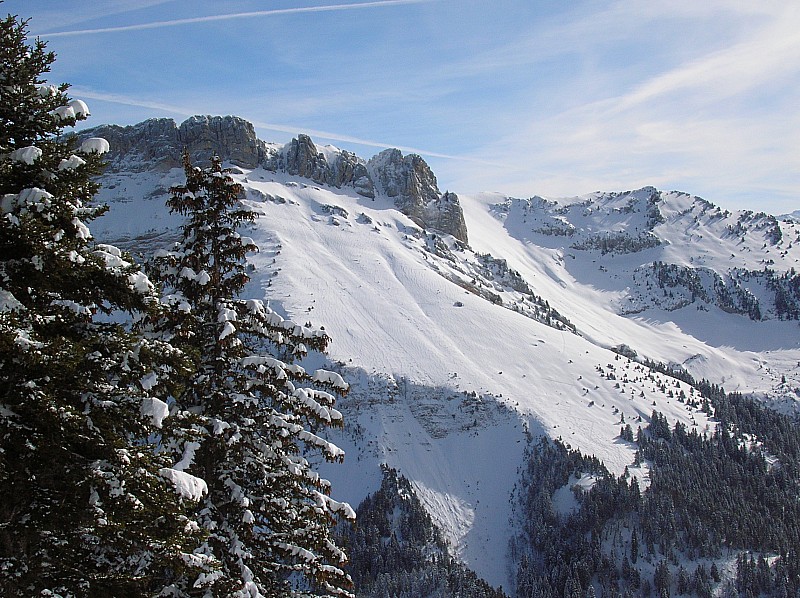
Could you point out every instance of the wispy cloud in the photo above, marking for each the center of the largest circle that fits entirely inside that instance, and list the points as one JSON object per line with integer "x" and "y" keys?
{"x": 549, "y": 98}
{"x": 773, "y": 52}
{"x": 83, "y": 93}
{"x": 63, "y": 15}
{"x": 230, "y": 16}
{"x": 716, "y": 117}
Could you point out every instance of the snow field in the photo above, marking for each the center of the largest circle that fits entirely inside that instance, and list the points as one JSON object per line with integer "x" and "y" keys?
{"x": 357, "y": 267}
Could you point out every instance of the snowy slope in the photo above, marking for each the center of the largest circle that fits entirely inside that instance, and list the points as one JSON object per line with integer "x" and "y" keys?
{"x": 591, "y": 288}
{"x": 451, "y": 366}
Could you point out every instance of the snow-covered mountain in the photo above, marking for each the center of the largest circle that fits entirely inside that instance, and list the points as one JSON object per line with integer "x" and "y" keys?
{"x": 468, "y": 324}
{"x": 685, "y": 251}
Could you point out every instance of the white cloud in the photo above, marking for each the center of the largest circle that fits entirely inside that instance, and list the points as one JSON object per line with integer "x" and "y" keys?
{"x": 696, "y": 96}
{"x": 722, "y": 123}
{"x": 771, "y": 53}
{"x": 64, "y": 15}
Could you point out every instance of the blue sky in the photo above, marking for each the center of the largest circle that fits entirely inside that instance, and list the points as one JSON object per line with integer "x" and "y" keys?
{"x": 519, "y": 96}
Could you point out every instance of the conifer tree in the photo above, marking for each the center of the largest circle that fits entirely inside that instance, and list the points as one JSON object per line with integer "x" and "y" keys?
{"x": 85, "y": 508}
{"x": 268, "y": 513}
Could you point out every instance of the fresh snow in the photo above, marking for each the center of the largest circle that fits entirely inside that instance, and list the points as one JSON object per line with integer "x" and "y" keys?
{"x": 154, "y": 409}
{"x": 8, "y": 302}
{"x": 446, "y": 386}
{"x": 64, "y": 113}
{"x": 71, "y": 163}
{"x": 188, "y": 455}
{"x": 80, "y": 108}
{"x": 34, "y": 198}
{"x": 27, "y": 155}
{"x": 564, "y": 499}
{"x": 187, "y": 485}
{"x": 95, "y": 144}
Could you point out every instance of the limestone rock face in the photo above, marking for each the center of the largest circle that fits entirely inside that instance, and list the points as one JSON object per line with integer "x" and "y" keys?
{"x": 445, "y": 214}
{"x": 231, "y": 137}
{"x": 158, "y": 144}
{"x": 152, "y": 144}
{"x": 302, "y": 158}
{"x": 412, "y": 184}
{"x": 349, "y": 169}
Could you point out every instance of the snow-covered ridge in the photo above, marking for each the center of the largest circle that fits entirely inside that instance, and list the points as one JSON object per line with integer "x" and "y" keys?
{"x": 671, "y": 248}
{"x": 157, "y": 144}
{"x": 447, "y": 347}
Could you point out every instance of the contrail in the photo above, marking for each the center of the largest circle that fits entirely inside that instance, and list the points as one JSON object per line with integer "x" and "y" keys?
{"x": 292, "y": 130}
{"x": 239, "y": 15}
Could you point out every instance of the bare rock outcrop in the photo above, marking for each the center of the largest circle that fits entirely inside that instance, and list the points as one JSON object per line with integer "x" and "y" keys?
{"x": 412, "y": 184}
{"x": 157, "y": 144}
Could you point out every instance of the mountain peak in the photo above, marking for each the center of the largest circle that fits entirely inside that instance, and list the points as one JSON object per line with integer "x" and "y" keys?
{"x": 157, "y": 144}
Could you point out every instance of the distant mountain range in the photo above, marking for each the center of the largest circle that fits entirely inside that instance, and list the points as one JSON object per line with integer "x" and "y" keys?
{"x": 468, "y": 325}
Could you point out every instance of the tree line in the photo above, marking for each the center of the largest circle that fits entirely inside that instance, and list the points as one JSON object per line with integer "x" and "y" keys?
{"x": 711, "y": 495}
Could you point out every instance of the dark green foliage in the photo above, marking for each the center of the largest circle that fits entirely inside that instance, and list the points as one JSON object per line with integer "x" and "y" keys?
{"x": 619, "y": 243}
{"x": 730, "y": 293}
{"x": 247, "y": 416}
{"x": 83, "y": 509}
{"x": 694, "y": 475}
{"x": 626, "y": 433}
{"x": 396, "y": 550}
{"x": 786, "y": 287}
{"x": 558, "y": 552}
{"x": 734, "y": 489}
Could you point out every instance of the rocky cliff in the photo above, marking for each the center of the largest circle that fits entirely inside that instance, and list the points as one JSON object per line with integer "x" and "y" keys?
{"x": 302, "y": 158}
{"x": 412, "y": 184}
{"x": 157, "y": 144}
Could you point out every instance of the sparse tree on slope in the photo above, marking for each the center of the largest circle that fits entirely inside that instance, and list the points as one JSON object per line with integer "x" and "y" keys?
{"x": 268, "y": 513}
{"x": 85, "y": 508}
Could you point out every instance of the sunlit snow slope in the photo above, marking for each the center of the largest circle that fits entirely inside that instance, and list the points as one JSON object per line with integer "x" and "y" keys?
{"x": 450, "y": 367}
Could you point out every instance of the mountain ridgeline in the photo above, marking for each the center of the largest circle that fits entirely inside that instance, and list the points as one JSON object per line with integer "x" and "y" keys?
{"x": 485, "y": 369}
{"x": 157, "y": 144}
{"x": 746, "y": 262}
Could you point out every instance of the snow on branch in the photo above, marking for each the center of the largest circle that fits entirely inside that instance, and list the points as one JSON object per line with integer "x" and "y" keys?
{"x": 186, "y": 484}
{"x": 332, "y": 452}
{"x": 202, "y": 278}
{"x": 304, "y": 554}
{"x": 26, "y": 155}
{"x": 111, "y": 255}
{"x": 79, "y": 108}
{"x": 280, "y": 368}
{"x": 154, "y": 409}
{"x": 269, "y": 317}
{"x": 34, "y": 198}
{"x": 139, "y": 282}
{"x": 8, "y": 302}
{"x": 46, "y": 91}
{"x": 95, "y": 145}
{"x": 63, "y": 113}
{"x": 25, "y": 342}
{"x": 71, "y": 163}
{"x": 74, "y": 307}
{"x": 332, "y": 378}
{"x": 310, "y": 398}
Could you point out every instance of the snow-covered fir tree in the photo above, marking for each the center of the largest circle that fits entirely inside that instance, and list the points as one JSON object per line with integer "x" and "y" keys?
{"x": 252, "y": 415}
{"x": 85, "y": 506}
